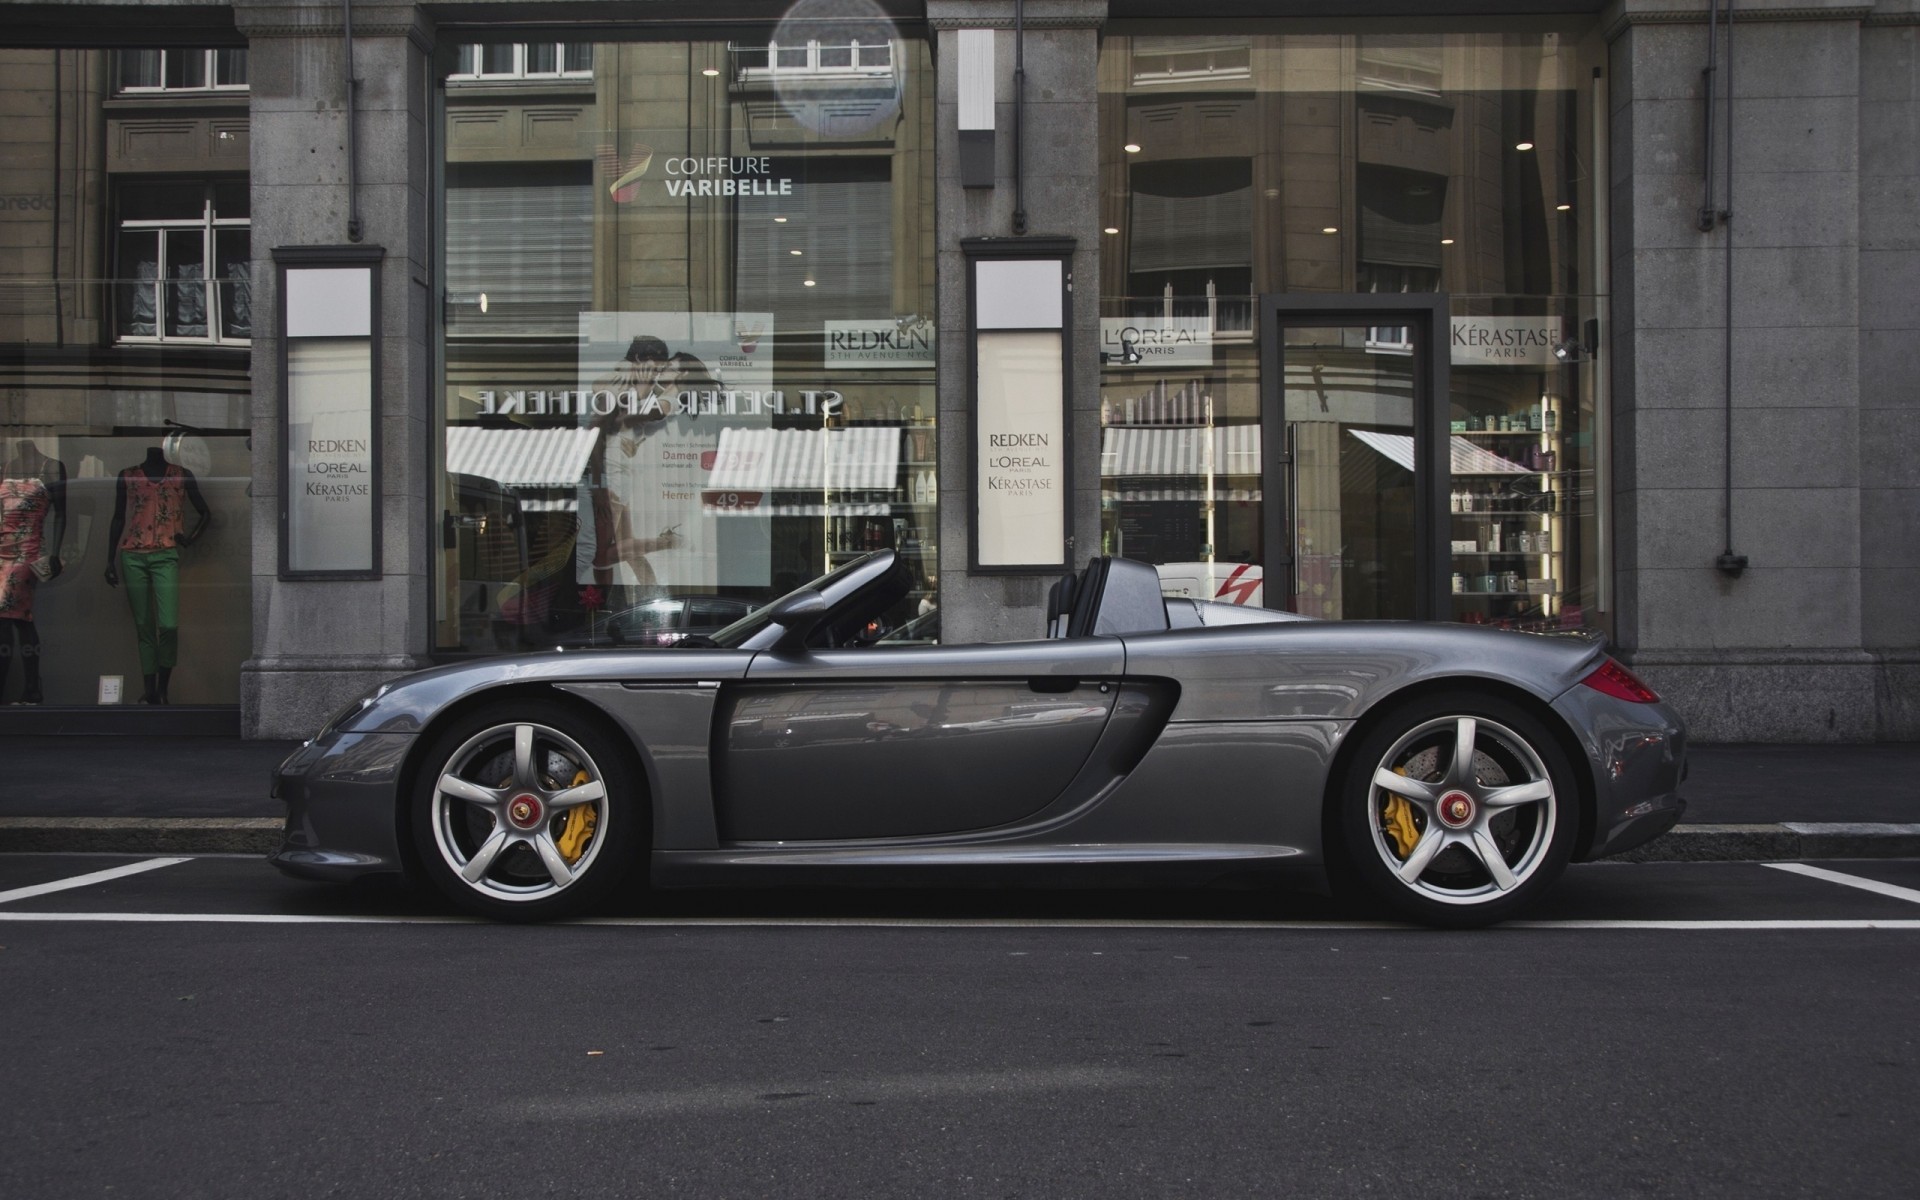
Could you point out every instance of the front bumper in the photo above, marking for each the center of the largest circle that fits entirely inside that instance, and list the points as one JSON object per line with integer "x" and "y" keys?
{"x": 343, "y": 806}
{"x": 1637, "y": 757}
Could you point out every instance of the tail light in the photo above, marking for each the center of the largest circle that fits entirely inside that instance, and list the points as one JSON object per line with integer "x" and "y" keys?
{"x": 1620, "y": 683}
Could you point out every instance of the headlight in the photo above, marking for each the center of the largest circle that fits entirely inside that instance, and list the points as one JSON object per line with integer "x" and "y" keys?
{"x": 341, "y": 718}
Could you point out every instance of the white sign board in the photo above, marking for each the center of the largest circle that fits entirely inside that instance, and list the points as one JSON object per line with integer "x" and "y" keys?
{"x": 1156, "y": 341}
{"x": 330, "y": 497}
{"x": 1507, "y": 341}
{"x": 1020, "y": 454}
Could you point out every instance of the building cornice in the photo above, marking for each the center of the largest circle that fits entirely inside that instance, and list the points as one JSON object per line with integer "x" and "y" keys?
{"x": 998, "y": 14}
{"x": 263, "y": 19}
{"x": 1625, "y": 14}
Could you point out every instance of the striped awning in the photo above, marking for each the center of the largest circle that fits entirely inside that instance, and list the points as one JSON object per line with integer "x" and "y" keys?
{"x": 1180, "y": 450}
{"x": 863, "y": 458}
{"x": 521, "y": 458}
{"x": 1468, "y": 459}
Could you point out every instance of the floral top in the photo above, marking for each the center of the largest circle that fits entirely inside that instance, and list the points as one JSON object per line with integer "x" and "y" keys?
{"x": 156, "y": 509}
{"x": 24, "y": 504}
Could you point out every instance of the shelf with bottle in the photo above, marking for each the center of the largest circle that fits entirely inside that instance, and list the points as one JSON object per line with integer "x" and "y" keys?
{"x": 1505, "y": 553}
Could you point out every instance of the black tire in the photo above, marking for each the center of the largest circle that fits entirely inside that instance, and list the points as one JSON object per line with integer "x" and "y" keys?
{"x": 1489, "y": 841}
{"x": 525, "y": 835}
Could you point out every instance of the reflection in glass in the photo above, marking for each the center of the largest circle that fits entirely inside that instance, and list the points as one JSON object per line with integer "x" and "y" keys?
{"x": 186, "y": 293}
{"x": 689, "y": 342}
{"x": 1349, "y": 416}
{"x": 1348, "y": 161}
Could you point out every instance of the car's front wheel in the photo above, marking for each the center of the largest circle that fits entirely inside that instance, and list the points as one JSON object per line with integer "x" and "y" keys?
{"x": 1459, "y": 810}
{"x": 526, "y": 811}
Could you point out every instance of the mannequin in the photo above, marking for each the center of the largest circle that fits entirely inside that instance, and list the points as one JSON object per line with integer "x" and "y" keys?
{"x": 149, "y": 528}
{"x": 33, "y": 519}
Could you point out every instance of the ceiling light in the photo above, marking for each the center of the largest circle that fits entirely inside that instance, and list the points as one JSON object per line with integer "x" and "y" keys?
{"x": 1111, "y": 229}
{"x": 1131, "y": 147}
{"x": 795, "y": 253}
{"x": 1331, "y": 229}
{"x": 1563, "y": 208}
{"x": 1523, "y": 145}
{"x": 809, "y": 283}
{"x": 710, "y": 72}
{"x": 779, "y": 220}
{"x": 1446, "y": 241}
{"x": 483, "y": 302}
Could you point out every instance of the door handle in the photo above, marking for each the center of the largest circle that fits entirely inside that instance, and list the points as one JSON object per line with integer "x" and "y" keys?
{"x": 1053, "y": 683}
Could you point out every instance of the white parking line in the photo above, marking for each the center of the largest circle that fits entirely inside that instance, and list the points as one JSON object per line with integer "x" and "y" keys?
{"x": 1853, "y": 881}
{"x": 928, "y": 923}
{"x": 61, "y": 885}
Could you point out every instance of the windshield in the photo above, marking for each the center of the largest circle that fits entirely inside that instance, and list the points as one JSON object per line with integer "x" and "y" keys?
{"x": 737, "y": 634}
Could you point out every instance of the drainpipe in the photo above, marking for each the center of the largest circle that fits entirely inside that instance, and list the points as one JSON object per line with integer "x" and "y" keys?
{"x": 1019, "y": 117}
{"x": 354, "y": 232}
{"x": 59, "y": 302}
{"x": 1711, "y": 217}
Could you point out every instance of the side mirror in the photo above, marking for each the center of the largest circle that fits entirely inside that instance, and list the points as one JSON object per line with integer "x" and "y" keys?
{"x": 797, "y": 615}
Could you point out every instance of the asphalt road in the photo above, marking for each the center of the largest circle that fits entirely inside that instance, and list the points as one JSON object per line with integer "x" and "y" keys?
{"x": 205, "y": 1028}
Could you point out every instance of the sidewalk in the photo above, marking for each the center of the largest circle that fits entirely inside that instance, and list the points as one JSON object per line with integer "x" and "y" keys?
{"x": 209, "y": 795}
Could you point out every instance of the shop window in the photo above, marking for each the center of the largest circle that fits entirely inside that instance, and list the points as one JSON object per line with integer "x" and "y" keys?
{"x": 182, "y": 267}
{"x": 183, "y": 70}
{"x": 523, "y": 60}
{"x": 1369, "y": 162}
{"x": 688, "y": 358}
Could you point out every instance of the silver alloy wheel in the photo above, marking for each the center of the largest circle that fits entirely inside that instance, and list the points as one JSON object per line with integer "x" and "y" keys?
{"x": 502, "y": 806}
{"x": 1481, "y": 803}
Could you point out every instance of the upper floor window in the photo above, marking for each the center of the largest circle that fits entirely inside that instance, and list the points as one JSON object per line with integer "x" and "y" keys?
{"x": 183, "y": 70}
{"x": 525, "y": 60}
{"x": 183, "y": 265}
{"x": 814, "y": 58}
{"x": 1191, "y": 59}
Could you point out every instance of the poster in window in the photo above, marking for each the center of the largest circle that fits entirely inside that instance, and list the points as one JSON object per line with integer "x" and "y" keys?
{"x": 661, "y": 388}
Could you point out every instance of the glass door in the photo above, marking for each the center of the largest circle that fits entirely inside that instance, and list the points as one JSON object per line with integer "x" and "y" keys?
{"x": 1349, "y": 402}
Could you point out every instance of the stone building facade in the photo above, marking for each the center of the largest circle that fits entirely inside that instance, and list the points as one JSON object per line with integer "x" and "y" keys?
{"x": 1509, "y": 312}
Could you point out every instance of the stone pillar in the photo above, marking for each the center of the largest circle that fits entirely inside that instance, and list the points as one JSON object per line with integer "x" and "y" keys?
{"x": 1890, "y": 361}
{"x": 1776, "y": 653}
{"x": 1062, "y": 198}
{"x": 318, "y": 644}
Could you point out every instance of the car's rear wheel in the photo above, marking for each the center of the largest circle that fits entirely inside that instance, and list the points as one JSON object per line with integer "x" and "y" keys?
{"x": 526, "y": 811}
{"x": 1458, "y": 810}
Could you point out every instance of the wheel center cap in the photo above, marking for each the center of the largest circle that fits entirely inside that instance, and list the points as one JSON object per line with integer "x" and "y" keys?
{"x": 524, "y": 811}
{"x": 1456, "y": 809}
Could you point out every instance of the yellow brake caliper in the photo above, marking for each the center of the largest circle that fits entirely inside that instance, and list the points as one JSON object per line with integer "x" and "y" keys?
{"x": 1398, "y": 819}
{"x": 579, "y": 827}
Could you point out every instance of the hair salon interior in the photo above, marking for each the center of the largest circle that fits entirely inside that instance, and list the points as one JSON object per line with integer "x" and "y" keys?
{"x": 339, "y": 339}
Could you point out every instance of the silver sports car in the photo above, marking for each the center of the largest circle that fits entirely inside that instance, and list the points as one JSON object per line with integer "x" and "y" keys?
{"x": 1447, "y": 771}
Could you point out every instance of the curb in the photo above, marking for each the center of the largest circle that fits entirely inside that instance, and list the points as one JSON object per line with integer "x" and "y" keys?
{"x": 1791, "y": 839}
{"x": 261, "y": 835}
{"x": 140, "y": 835}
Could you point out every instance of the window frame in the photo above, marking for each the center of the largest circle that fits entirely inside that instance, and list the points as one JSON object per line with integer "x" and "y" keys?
{"x": 210, "y": 61}
{"x": 519, "y": 71}
{"x": 207, "y": 225}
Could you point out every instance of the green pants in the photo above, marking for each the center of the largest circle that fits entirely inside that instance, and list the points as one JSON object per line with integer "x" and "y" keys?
{"x": 153, "y": 591}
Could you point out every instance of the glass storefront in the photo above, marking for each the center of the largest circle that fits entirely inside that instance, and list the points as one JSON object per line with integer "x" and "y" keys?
{"x": 125, "y": 398}
{"x": 1344, "y": 162}
{"x": 689, "y": 335}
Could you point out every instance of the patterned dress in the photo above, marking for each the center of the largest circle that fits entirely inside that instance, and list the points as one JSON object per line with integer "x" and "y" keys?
{"x": 24, "y": 504}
